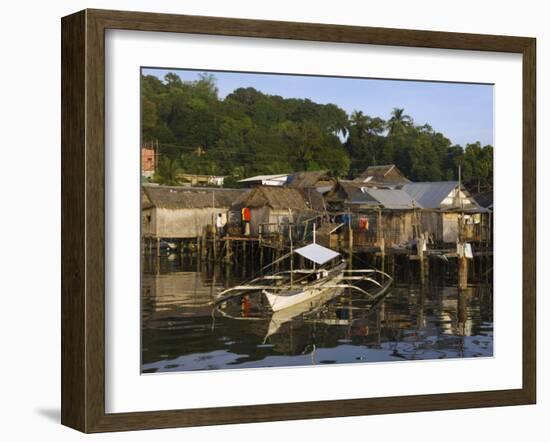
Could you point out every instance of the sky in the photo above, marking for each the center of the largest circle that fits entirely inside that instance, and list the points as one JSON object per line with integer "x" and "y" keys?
{"x": 461, "y": 111}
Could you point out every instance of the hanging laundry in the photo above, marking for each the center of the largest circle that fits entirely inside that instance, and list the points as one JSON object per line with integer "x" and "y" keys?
{"x": 364, "y": 223}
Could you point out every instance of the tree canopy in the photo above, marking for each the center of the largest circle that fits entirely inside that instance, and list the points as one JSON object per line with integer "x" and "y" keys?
{"x": 249, "y": 133}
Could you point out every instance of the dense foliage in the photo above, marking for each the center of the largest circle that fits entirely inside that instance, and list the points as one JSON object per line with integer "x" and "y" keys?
{"x": 250, "y": 133}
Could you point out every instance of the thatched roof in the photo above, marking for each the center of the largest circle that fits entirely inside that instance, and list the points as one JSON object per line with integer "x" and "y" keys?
{"x": 313, "y": 178}
{"x": 343, "y": 190}
{"x": 279, "y": 198}
{"x": 145, "y": 201}
{"x": 387, "y": 174}
{"x": 314, "y": 199}
{"x": 178, "y": 197}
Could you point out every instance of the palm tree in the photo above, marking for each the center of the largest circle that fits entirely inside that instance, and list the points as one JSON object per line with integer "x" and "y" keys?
{"x": 375, "y": 126}
{"x": 363, "y": 125}
{"x": 359, "y": 124}
{"x": 399, "y": 122}
{"x": 167, "y": 172}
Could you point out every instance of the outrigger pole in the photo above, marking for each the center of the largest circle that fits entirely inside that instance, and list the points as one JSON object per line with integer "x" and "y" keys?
{"x": 314, "y": 224}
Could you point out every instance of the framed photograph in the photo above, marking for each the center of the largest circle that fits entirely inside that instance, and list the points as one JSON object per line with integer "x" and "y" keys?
{"x": 267, "y": 221}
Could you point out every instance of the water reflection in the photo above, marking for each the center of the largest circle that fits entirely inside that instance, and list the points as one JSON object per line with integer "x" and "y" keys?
{"x": 180, "y": 331}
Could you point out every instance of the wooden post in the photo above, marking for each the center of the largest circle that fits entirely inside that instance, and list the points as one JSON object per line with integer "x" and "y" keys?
{"x": 426, "y": 257}
{"x": 350, "y": 240}
{"x": 462, "y": 261}
{"x": 462, "y": 272}
{"x": 227, "y": 250}
{"x": 379, "y": 236}
{"x": 382, "y": 254}
{"x": 203, "y": 243}
{"x": 214, "y": 242}
{"x": 158, "y": 247}
{"x": 462, "y": 266}
{"x": 262, "y": 258}
{"x": 421, "y": 257}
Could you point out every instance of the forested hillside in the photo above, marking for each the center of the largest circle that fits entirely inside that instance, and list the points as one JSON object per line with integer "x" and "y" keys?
{"x": 249, "y": 133}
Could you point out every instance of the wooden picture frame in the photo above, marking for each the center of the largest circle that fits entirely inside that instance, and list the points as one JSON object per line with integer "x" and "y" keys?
{"x": 83, "y": 219}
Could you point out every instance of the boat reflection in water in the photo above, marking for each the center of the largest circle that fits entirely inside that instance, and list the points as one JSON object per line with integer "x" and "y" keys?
{"x": 244, "y": 308}
{"x": 180, "y": 331}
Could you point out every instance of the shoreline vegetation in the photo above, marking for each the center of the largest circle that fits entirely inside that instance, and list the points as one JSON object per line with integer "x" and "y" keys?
{"x": 250, "y": 133}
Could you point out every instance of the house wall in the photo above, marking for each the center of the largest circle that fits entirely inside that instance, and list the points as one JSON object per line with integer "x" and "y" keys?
{"x": 179, "y": 223}
{"x": 443, "y": 227}
{"x": 266, "y": 215}
{"x": 432, "y": 222}
{"x": 450, "y": 227}
{"x": 367, "y": 235}
{"x": 396, "y": 228}
{"x": 258, "y": 215}
{"x": 148, "y": 160}
{"x": 452, "y": 198}
{"x": 280, "y": 217}
{"x": 148, "y": 222}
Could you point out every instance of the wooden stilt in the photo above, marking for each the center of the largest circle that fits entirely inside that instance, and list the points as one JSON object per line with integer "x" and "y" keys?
{"x": 214, "y": 242}
{"x": 462, "y": 272}
{"x": 261, "y": 258}
{"x": 228, "y": 251}
{"x": 421, "y": 257}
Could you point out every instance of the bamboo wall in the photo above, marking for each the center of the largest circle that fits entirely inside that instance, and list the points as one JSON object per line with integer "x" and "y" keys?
{"x": 178, "y": 223}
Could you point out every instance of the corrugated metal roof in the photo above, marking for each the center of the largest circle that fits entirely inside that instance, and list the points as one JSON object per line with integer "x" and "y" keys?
{"x": 430, "y": 194}
{"x": 278, "y": 177}
{"x": 361, "y": 197}
{"x": 317, "y": 253}
{"x": 387, "y": 198}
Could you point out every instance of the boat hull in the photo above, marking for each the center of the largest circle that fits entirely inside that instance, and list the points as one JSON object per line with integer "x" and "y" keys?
{"x": 280, "y": 302}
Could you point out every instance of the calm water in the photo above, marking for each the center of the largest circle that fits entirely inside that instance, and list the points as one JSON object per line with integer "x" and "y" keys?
{"x": 181, "y": 332}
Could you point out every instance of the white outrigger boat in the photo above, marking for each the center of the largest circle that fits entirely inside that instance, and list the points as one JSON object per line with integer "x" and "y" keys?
{"x": 329, "y": 271}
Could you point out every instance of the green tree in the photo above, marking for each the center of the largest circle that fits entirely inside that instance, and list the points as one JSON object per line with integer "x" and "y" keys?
{"x": 249, "y": 132}
{"x": 399, "y": 123}
{"x": 167, "y": 173}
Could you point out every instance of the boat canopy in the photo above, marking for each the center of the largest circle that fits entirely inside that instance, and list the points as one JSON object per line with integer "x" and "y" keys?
{"x": 316, "y": 253}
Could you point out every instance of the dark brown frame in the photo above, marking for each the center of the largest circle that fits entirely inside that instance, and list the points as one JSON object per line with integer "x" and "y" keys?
{"x": 83, "y": 216}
